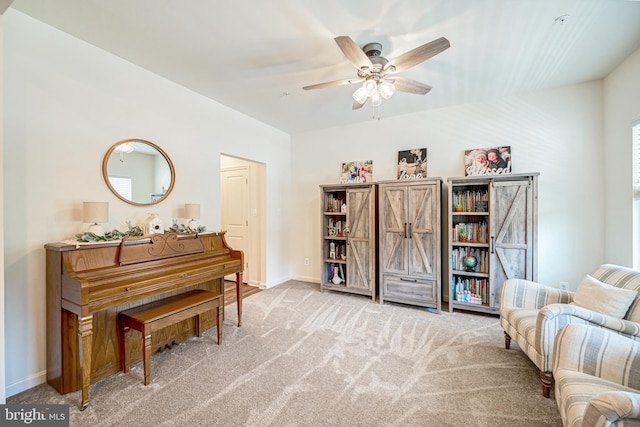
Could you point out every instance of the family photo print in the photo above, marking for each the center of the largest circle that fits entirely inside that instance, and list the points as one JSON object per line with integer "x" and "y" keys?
{"x": 487, "y": 161}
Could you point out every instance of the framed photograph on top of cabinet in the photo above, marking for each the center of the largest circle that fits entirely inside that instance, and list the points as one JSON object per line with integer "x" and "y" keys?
{"x": 412, "y": 164}
{"x": 487, "y": 161}
{"x": 357, "y": 172}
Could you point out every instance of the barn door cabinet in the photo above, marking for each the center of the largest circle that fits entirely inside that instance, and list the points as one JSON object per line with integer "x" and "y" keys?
{"x": 410, "y": 243}
{"x": 348, "y": 235}
{"x": 494, "y": 221}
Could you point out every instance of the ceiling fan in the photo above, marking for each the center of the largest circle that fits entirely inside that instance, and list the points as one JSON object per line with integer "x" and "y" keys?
{"x": 379, "y": 74}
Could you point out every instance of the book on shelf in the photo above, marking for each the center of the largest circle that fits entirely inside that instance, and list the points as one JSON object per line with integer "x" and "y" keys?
{"x": 466, "y": 200}
{"x": 465, "y": 287}
{"x": 473, "y": 232}
{"x": 458, "y": 255}
{"x": 334, "y": 203}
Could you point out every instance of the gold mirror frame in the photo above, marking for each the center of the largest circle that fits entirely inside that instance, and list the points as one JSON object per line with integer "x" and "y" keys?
{"x": 105, "y": 171}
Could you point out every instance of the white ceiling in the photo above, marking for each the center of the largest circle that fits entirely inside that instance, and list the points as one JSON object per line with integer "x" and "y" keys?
{"x": 256, "y": 55}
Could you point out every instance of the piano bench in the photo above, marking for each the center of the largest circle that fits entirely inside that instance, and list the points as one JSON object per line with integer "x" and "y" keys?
{"x": 156, "y": 315}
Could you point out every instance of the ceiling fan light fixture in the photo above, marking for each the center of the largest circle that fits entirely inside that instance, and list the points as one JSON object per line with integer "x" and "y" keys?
{"x": 125, "y": 147}
{"x": 386, "y": 89}
{"x": 376, "y": 99}
{"x": 372, "y": 69}
{"x": 369, "y": 87}
{"x": 360, "y": 96}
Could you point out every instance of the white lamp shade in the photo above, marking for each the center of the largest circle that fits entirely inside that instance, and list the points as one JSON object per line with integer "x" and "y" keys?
{"x": 360, "y": 96}
{"x": 369, "y": 87}
{"x": 192, "y": 210}
{"x": 95, "y": 212}
{"x": 386, "y": 89}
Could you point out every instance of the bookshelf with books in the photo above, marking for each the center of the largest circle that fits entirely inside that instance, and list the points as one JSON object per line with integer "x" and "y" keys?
{"x": 492, "y": 224}
{"x": 348, "y": 238}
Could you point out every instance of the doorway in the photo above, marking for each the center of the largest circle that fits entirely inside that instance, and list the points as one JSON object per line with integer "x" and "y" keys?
{"x": 242, "y": 214}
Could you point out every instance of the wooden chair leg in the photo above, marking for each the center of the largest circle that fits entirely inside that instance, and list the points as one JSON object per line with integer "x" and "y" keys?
{"x": 547, "y": 380}
{"x": 507, "y": 341}
{"x": 146, "y": 356}
{"x": 126, "y": 333}
{"x": 219, "y": 325}
{"x": 198, "y": 326}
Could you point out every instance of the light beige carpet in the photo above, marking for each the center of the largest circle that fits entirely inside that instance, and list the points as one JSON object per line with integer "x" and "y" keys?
{"x": 306, "y": 358}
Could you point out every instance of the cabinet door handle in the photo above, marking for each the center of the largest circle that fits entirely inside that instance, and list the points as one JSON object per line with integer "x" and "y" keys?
{"x": 346, "y": 234}
{"x": 409, "y": 280}
{"x": 410, "y": 230}
{"x": 493, "y": 243}
{"x": 405, "y": 230}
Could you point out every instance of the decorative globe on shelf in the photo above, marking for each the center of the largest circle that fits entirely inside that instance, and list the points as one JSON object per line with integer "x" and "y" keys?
{"x": 470, "y": 263}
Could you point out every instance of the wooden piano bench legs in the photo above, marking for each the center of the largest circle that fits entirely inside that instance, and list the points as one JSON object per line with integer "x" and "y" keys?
{"x": 154, "y": 316}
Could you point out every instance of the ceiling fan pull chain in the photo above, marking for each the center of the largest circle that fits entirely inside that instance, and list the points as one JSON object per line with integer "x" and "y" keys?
{"x": 376, "y": 116}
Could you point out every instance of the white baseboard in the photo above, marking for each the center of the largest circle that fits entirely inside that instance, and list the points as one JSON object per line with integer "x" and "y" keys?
{"x": 274, "y": 283}
{"x": 26, "y": 384}
{"x": 306, "y": 279}
{"x": 263, "y": 285}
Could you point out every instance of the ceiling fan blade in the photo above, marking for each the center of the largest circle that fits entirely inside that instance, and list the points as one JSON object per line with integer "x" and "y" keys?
{"x": 356, "y": 105}
{"x": 354, "y": 54}
{"x": 332, "y": 84}
{"x": 404, "y": 84}
{"x": 416, "y": 56}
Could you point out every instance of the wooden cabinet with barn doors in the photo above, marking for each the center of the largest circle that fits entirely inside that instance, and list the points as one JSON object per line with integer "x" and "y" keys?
{"x": 348, "y": 237}
{"x": 410, "y": 244}
{"x": 492, "y": 223}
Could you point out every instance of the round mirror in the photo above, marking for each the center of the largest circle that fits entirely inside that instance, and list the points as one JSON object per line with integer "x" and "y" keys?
{"x": 138, "y": 172}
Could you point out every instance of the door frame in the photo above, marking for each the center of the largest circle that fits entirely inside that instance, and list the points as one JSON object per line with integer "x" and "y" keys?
{"x": 256, "y": 215}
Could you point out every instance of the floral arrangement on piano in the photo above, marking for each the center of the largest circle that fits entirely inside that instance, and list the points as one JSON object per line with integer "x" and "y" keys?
{"x": 135, "y": 231}
{"x": 175, "y": 228}
{"x": 88, "y": 236}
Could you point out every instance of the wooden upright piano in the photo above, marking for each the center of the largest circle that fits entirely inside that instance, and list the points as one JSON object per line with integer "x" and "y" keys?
{"x": 89, "y": 284}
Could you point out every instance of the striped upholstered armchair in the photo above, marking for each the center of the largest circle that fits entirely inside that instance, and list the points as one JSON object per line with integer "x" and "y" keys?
{"x": 532, "y": 313}
{"x": 597, "y": 377}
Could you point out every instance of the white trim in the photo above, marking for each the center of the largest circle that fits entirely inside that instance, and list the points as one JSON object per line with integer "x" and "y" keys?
{"x": 306, "y": 279}
{"x": 635, "y": 157}
{"x": 3, "y": 377}
{"x": 635, "y": 209}
{"x": 26, "y": 384}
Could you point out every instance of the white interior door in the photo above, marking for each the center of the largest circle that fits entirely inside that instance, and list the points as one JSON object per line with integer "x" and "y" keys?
{"x": 235, "y": 212}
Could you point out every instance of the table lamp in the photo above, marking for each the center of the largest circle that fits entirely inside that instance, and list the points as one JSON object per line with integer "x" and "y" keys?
{"x": 192, "y": 210}
{"x": 95, "y": 212}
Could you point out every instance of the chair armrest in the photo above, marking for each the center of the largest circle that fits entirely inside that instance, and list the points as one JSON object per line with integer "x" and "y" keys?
{"x": 520, "y": 293}
{"x": 564, "y": 314}
{"x": 608, "y": 408}
{"x": 598, "y": 352}
{"x": 553, "y": 317}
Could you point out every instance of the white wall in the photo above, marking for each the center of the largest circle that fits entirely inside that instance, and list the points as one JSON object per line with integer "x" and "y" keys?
{"x": 66, "y": 102}
{"x": 621, "y": 109}
{"x": 2, "y": 299}
{"x": 557, "y": 133}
